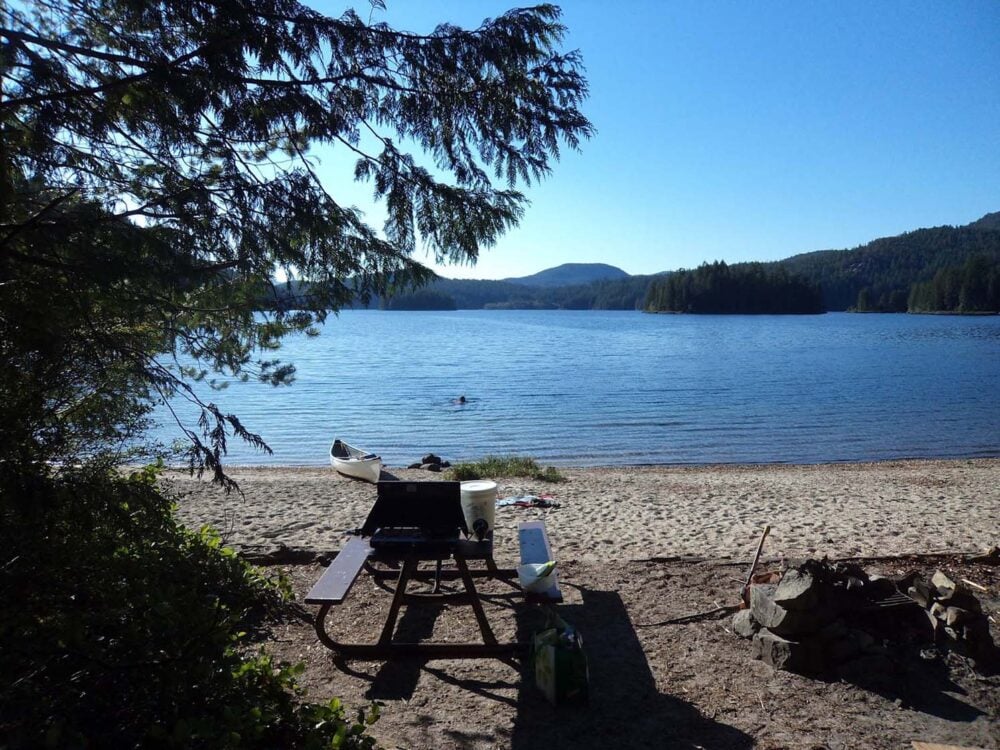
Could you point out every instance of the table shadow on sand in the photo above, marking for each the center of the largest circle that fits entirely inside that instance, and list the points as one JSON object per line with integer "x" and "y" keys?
{"x": 625, "y": 706}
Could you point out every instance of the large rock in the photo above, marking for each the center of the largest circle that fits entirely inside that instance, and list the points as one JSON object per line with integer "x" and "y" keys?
{"x": 962, "y": 598}
{"x": 804, "y": 656}
{"x": 942, "y": 583}
{"x": 788, "y": 622}
{"x": 762, "y": 601}
{"x": 956, "y": 616}
{"x": 937, "y": 627}
{"x": 797, "y": 590}
{"x": 744, "y": 625}
{"x": 762, "y": 592}
{"x": 793, "y": 622}
{"x": 920, "y": 592}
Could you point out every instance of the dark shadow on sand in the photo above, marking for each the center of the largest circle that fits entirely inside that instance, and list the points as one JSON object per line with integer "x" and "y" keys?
{"x": 397, "y": 680}
{"x": 895, "y": 668}
{"x": 918, "y": 684}
{"x": 625, "y": 709}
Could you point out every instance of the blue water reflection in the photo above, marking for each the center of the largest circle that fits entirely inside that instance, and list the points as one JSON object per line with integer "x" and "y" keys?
{"x": 586, "y": 388}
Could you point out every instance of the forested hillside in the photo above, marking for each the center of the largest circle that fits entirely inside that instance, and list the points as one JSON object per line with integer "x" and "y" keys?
{"x": 747, "y": 288}
{"x": 990, "y": 221}
{"x": 878, "y": 276}
{"x": 883, "y": 272}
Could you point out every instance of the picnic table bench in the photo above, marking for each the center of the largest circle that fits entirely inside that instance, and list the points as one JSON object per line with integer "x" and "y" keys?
{"x": 357, "y": 554}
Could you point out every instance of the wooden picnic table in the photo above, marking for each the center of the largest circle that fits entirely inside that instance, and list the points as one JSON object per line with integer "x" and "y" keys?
{"x": 357, "y": 555}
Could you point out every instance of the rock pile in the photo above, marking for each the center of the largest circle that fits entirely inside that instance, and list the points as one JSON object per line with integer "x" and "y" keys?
{"x": 430, "y": 462}
{"x": 822, "y": 617}
{"x": 955, "y": 615}
{"x": 807, "y": 622}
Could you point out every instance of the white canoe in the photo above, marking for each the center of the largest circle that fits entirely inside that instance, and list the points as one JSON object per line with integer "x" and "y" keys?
{"x": 354, "y": 462}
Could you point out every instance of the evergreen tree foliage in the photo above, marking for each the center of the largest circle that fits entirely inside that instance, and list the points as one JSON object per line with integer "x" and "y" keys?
{"x": 746, "y": 288}
{"x": 971, "y": 288}
{"x": 421, "y": 299}
{"x": 158, "y": 171}
{"x": 158, "y": 158}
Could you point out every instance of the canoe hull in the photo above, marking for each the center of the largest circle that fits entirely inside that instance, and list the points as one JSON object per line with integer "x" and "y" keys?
{"x": 354, "y": 462}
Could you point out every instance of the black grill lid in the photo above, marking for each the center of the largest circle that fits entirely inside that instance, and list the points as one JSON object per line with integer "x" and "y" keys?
{"x": 434, "y": 507}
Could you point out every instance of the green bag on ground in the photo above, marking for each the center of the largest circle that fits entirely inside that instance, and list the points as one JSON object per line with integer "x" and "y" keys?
{"x": 560, "y": 663}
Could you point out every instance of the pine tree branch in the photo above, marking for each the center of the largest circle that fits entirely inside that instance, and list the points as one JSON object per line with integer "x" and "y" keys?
{"x": 56, "y": 45}
{"x": 78, "y": 92}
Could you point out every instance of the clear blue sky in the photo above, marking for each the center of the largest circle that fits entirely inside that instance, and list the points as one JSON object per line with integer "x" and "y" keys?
{"x": 753, "y": 131}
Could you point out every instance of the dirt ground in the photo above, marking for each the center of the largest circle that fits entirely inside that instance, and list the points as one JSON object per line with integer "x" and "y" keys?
{"x": 652, "y": 685}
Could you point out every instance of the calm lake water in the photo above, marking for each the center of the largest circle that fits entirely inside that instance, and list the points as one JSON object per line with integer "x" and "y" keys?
{"x": 611, "y": 388}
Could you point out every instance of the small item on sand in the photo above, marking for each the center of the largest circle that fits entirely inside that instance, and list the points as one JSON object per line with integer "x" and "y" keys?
{"x": 527, "y": 501}
{"x": 560, "y": 663}
{"x": 535, "y": 577}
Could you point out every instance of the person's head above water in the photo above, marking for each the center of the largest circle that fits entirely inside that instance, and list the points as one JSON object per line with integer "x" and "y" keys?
{"x": 460, "y": 400}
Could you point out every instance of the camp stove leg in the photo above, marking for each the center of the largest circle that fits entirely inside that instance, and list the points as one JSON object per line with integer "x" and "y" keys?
{"x": 477, "y": 605}
{"x": 409, "y": 566}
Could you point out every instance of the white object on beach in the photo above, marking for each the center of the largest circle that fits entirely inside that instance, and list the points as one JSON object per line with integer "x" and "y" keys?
{"x": 354, "y": 462}
{"x": 479, "y": 503}
{"x": 536, "y": 577}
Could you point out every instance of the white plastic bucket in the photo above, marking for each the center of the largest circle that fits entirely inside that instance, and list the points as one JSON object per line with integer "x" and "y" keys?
{"x": 479, "y": 503}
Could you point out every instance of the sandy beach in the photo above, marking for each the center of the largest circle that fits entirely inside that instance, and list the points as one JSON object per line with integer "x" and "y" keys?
{"x": 636, "y": 513}
{"x": 639, "y": 548}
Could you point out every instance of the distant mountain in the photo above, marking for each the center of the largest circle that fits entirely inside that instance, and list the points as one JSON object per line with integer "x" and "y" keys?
{"x": 570, "y": 274}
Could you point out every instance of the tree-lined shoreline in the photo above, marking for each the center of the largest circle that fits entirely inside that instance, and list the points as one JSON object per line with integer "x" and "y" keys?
{"x": 889, "y": 274}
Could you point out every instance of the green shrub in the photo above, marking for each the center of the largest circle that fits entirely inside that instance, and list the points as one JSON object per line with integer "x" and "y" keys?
{"x": 120, "y": 628}
{"x": 504, "y": 466}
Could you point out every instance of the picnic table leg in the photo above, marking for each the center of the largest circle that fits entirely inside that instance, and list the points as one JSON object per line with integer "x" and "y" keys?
{"x": 324, "y": 638}
{"x": 477, "y": 605}
{"x": 384, "y": 648}
{"x": 409, "y": 566}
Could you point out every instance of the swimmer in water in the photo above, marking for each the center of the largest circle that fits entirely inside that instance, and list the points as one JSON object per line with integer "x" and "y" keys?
{"x": 460, "y": 400}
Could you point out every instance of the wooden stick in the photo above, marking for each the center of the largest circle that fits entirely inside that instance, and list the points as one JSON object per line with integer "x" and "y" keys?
{"x": 977, "y": 586}
{"x": 687, "y": 619}
{"x": 745, "y": 592}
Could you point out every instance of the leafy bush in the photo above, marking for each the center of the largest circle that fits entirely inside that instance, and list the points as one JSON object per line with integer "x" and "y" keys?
{"x": 121, "y": 628}
{"x": 504, "y": 466}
